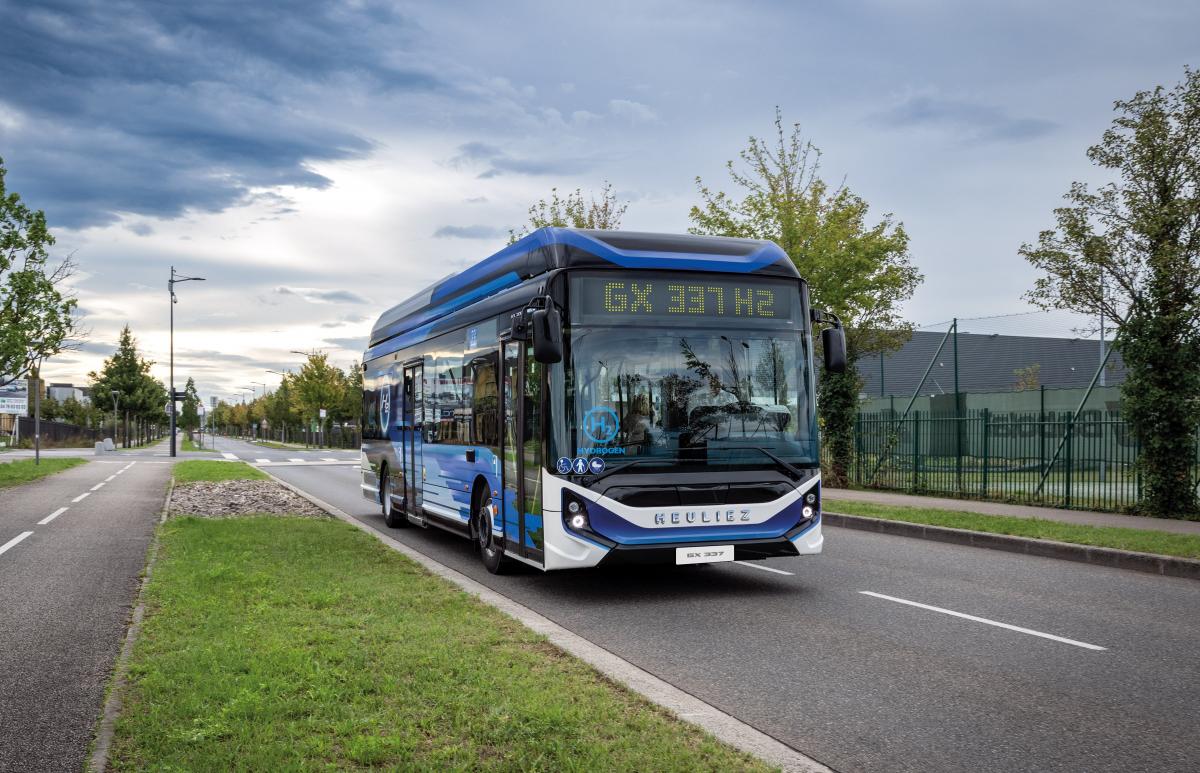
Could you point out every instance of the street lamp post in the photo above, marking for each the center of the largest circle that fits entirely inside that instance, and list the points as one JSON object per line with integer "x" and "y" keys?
{"x": 171, "y": 290}
{"x": 37, "y": 409}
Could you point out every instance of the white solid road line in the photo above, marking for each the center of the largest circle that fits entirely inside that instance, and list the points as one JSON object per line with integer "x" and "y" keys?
{"x": 763, "y": 568}
{"x": 82, "y": 496}
{"x": 228, "y": 455}
{"x": 52, "y": 516}
{"x": 984, "y": 620}
{"x": 14, "y": 541}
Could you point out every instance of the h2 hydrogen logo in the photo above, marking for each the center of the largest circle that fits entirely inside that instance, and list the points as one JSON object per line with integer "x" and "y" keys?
{"x": 600, "y": 425}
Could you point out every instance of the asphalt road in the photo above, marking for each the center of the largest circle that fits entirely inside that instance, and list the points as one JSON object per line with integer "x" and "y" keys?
{"x": 68, "y": 578}
{"x": 870, "y": 683}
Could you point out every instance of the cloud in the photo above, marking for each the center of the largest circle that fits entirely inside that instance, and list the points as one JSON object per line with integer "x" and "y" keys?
{"x": 158, "y": 108}
{"x": 967, "y": 120}
{"x": 634, "y": 112}
{"x": 348, "y": 319}
{"x": 476, "y": 200}
{"x": 357, "y": 345}
{"x": 469, "y": 232}
{"x": 498, "y": 162}
{"x": 315, "y": 295}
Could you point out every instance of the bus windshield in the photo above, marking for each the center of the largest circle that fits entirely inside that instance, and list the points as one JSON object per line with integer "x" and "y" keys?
{"x": 687, "y": 397}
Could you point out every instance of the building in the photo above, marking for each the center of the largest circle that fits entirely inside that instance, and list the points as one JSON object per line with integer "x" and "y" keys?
{"x": 64, "y": 392}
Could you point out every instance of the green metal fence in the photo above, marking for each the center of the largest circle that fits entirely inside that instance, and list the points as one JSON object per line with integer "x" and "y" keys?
{"x": 1046, "y": 458}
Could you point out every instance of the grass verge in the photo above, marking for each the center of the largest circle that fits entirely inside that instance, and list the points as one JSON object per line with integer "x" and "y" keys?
{"x": 190, "y": 445}
{"x": 276, "y": 644}
{"x": 195, "y": 470}
{"x": 20, "y": 471}
{"x": 1140, "y": 540}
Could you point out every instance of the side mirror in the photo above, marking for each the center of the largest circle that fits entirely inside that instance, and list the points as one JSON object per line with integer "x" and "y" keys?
{"x": 833, "y": 341}
{"x": 547, "y": 335}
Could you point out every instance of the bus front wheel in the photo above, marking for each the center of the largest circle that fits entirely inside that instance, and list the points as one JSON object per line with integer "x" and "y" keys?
{"x": 391, "y": 516}
{"x": 490, "y": 553}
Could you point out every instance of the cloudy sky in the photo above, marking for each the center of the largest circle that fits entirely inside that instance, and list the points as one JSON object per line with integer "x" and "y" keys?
{"x": 318, "y": 161}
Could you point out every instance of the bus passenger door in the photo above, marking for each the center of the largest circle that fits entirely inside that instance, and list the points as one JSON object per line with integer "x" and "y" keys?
{"x": 414, "y": 408}
{"x": 510, "y": 449}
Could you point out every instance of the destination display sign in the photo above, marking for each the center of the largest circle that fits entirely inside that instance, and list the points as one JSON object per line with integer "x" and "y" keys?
{"x": 609, "y": 297}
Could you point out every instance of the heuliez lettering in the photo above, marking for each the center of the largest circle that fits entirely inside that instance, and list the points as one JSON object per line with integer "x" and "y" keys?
{"x": 701, "y": 516}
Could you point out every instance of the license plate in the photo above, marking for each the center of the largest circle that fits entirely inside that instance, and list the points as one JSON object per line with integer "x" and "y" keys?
{"x": 705, "y": 555}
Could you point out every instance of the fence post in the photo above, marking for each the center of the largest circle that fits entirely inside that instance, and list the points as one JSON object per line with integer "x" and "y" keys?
{"x": 858, "y": 446}
{"x": 1069, "y": 452}
{"x": 987, "y": 456}
{"x": 916, "y": 436}
{"x": 1042, "y": 431}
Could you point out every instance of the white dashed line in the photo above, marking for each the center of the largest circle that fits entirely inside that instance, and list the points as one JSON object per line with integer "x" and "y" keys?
{"x": 763, "y": 568}
{"x": 295, "y": 460}
{"x": 329, "y": 459}
{"x": 109, "y": 478}
{"x": 261, "y": 461}
{"x": 985, "y": 621}
{"x": 82, "y": 496}
{"x": 228, "y": 455}
{"x": 98, "y": 486}
{"x": 52, "y": 516}
{"x": 12, "y": 542}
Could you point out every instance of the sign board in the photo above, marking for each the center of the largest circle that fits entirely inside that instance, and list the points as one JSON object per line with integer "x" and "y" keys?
{"x": 212, "y": 402}
{"x": 324, "y": 413}
{"x": 14, "y": 397}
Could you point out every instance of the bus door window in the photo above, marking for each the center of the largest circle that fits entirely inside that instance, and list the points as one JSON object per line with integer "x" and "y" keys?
{"x": 531, "y": 456}
{"x": 510, "y": 447}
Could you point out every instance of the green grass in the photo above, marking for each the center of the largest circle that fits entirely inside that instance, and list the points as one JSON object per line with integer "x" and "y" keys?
{"x": 274, "y": 644}
{"x": 20, "y": 471}
{"x": 1141, "y": 540}
{"x": 195, "y": 470}
{"x": 190, "y": 445}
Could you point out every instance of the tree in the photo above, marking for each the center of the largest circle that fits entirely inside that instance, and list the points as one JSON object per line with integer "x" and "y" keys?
{"x": 189, "y": 415}
{"x": 1027, "y": 378}
{"x": 318, "y": 385}
{"x": 1130, "y": 249}
{"x": 36, "y": 312}
{"x": 575, "y": 212}
{"x": 860, "y": 271}
{"x": 140, "y": 396}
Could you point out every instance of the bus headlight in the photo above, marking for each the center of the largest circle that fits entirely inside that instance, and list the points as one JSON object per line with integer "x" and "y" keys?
{"x": 807, "y": 512}
{"x": 811, "y": 497}
{"x": 575, "y": 513}
{"x": 578, "y": 521}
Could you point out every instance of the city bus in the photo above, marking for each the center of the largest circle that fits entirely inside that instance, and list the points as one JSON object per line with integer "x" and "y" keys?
{"x": 587, "y": 397}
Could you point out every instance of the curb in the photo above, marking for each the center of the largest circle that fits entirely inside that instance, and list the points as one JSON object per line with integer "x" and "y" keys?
{"x": 680, "y": 704}
{"x": 1148, "y": 563}
{"x": 98, "y": 761}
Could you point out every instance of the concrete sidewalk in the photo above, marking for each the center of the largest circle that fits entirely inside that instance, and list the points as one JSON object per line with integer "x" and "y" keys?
{"x": 1083, "y": 517}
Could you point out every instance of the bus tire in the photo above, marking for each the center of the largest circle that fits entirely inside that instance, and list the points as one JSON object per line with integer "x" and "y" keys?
{"x": 490, "y": 553}
{"x": 393, "y": 517}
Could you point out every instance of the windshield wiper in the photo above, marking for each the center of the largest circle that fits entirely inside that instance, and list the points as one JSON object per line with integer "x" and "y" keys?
{"x": 590, "y": 479}
{"x": 796, "y": 472}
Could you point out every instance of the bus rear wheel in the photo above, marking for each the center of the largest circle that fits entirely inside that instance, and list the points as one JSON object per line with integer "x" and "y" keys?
{"x": 490, "y": 553}
{"x": 391, "y": 516}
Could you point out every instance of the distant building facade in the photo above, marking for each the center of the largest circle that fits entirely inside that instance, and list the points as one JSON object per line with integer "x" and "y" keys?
{"x": 988, "y": 363}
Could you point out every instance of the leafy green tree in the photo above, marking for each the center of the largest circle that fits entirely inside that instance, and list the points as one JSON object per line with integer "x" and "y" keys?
{"x": 189, "y": 414}
{"x": 574, "y": 211}
{"x": 140, "y": 397}
{"x": 318, "y": 384}
{"x": 1130, "y": 249}
{"x": 280, "y": 410}
{"x": 856, "y": 269}
{"x": 36, "y": 312}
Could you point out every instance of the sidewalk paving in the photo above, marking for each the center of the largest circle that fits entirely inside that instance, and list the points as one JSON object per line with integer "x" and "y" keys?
{"x": 1081, "y": 517}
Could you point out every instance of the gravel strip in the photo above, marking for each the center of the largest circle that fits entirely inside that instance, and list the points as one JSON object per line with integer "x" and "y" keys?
{"x": 228, "y": 498}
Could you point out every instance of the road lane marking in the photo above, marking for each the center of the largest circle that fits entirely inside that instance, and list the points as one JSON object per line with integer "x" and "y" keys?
{"x": 295, "y": 460}
{"x": 260, "y": 461}
{"x": 52, "y": 516}
{"x": 12, "y": 542}
{"x": 763, "y": 568}
{"x": 82, "y": 496}
{"x": 984, "y": 620}
{"x": 99, "y": 485}
{"x": 329, "y": 459}
{"x": 228, "y": 455}
{"x": 109, "y": 478}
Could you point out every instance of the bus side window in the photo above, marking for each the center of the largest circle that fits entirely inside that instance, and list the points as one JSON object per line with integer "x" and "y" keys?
{"x": 485, "y": 402}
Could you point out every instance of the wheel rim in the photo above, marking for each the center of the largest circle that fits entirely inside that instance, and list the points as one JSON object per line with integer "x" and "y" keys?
{"x": 387, "y": 494}
{"x": 483, "y": 530}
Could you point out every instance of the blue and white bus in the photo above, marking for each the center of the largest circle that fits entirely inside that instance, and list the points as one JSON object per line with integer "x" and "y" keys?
{"x": 602, "y": 397}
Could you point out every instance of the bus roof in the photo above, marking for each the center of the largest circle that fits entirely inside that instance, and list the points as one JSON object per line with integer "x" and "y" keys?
{"x": 550, "y": 248}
